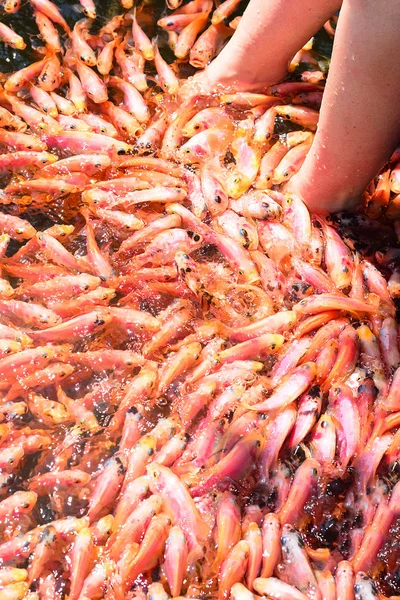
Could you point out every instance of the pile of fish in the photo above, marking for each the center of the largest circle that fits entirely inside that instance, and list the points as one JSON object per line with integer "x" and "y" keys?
{"x": 200, "y": 379}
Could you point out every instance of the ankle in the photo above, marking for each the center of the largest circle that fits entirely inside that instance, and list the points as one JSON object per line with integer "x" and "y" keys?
{"x": 320, "y": 200}
{"x": 237, "y": 76}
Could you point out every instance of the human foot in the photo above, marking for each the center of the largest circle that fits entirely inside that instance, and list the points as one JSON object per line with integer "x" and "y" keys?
{"x": 237, "y": 75}
{"x": 214, "y": 82}
{"x": 317, "y": 202}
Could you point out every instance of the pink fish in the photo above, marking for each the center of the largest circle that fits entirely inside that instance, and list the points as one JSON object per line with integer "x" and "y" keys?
{"x": 309, "y": 409}
{"x": 95, "y": 582}
{"x": 140, "y": 39}
{"x": 300, "y": 573}
{"x": 42, "y": 553}
{"x": 80, "y": 558}
{"x": 233, "y": 569}
{"x": 51, "y": 11}
{"x": 304, "y": 480}
{"x": 268, "y": 343}
{"x": 277, "y": 589}
{"x": 133, "y": 494}
{"x": 392, "y": 402}
{"x": 289, "y": 390}
{"x": 176, "y": 553}
{"x": 105, "y": 57}
{"x": 89, "y": 8}
{"x": 131, "y": 66}
{"x": 26, "y": 159}
{"x": 76, "y": 93}
{"x": 271, "y": 533}
{"x": 258, "y": 204}
{"x": 20, "y": 78}
{"x": 107, "y": 487}
{"x": 25, "y": 362}
{"x": 179, "y": 502}
{"x": 323, "y": 442}
{"x": 92, "y": 85}
{"x": 337, "y": 256}
{"x": 344, "y": 578}
{"x": 18, "y": 503}
{"x": 189, "y": 34}
{"x": 76, "y": 142}
{"x": 304, "y": 116}
{"x": 233, "y": 466}
{"x": 228, "y": 523}
{"x": 55, "y": 251}
{"x": 346, "y": 359}
{"x": 21, "y": 141}
{"x": 134, "y": 526}
{"x": 85, "y": 324}
{"x": 150, "y": 550}
{"x": 67, "y": 479}
{"x": 277, "y": 434}
{"x": 323, "y": 302}
{"x": 253, "y": 537}
{"x": 224, "y": 10}
{"x": 133, "y": 100}
{"x": 50, "y": 75}
{"x": 79, "y": 45}
{"x": 8, "y": 36}
{"x": 269, "y": 163}
{"x": 290, "y": 163}
{"x": 264, "y": 126}
{"x": 209, "y": 44}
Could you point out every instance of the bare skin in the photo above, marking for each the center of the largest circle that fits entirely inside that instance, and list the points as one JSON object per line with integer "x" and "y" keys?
{"x": 268, "y": 36}
{"x": 359, "y": 125}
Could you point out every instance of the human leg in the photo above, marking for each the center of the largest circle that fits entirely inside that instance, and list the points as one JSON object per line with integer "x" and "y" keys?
{"x": 359, "y": 124}
{"x": 268, "y": 36}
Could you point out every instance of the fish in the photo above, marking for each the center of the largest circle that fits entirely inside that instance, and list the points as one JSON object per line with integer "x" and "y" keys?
{"x": 11, "y": 38}
{"x": 176, "y": 553}
{"x": 271, "y": 551}
{"x": 276, "y": 589}
{"x": 233, "y": 568}
{"x": 51, "y": 11}
{"x": 179, "y": 502}
{"x": 300, "y": 572}
{"x": 198, "y": 370}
